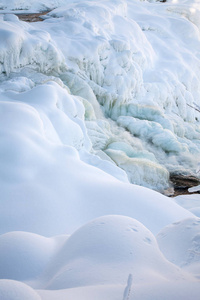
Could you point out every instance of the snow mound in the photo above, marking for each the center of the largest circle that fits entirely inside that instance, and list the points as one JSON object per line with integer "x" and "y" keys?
{"x": 189, "y": 202}
{"x": 21, "y": 45}
{"x": 180, "y": 243}
{"x": 15, "y": 290}
{"x": 94, "y": 252}
{"x": 23, "y": 256}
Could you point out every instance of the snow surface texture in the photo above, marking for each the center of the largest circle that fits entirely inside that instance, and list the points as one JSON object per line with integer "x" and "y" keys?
{"x": 98, "y": 95}
{"x": 186, "y": 252}
{"x": 192, "y": 203}
{"x": 96, "y": 260}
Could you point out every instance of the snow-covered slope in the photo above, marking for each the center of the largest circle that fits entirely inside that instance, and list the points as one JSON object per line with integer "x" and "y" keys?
{"x": 99, "y": 97}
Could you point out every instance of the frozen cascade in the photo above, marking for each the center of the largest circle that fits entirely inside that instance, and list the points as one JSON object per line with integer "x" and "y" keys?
{"x": 137, "y": 85}
{"x": 123, "y": 73}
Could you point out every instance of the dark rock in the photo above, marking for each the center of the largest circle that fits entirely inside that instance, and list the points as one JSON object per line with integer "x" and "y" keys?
{"x": 33, "y": 17}
{"x": 181, "y": 183}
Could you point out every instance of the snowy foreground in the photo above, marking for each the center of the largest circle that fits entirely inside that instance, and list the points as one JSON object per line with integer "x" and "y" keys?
{"x": 99, "y": 103}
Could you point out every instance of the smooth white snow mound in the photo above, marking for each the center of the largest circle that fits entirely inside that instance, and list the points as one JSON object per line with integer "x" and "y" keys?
{"x": 141, "y": 171}
{"x": 106, "y": 292}
{"x": 15, "y": 290}
{"x": 189, "y": 202}
{"x": 105, "y": 251}
{"x": 180, "y": 243}
{"x": 146, "y": 291}
{"x": 21, "y": 45}
{"x": 23, "y": 255}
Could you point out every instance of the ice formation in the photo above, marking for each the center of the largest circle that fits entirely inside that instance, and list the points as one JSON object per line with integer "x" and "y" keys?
{"x": 39, "y": 163}
{"x": 31, "y": 5}
{"x": 111, "y": 242}
{"x": 98, "y": 258}
{"x": 99, "y": 103}
{"x": 125, "y": 62}
{"x": 23, "y": 45}
{"x": 121, "y": 65}
{"x": 190, "y": 202}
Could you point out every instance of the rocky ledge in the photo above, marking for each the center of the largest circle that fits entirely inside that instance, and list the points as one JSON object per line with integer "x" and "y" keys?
{"x": 181, "y": 184}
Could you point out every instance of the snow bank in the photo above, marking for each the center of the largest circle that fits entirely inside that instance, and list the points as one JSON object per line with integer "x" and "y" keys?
{"x": 23, "y": 256}
{"x": 92, "y": 255}
{"x": 189, "y": 202}
{"x": 97, "y": 86}
{"x": 185, "y": 252}
{"x": 15, "y": 290}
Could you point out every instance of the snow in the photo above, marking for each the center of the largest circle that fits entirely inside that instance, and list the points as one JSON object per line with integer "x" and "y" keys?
{"x": 153, "y": 89}
{"x": 15, "y": 290}
{"x": 99, "y": 258}
{"x": 32, "y": 253}
{"x": 22, "y": 45}
{"x": 190, "y": 202}
{"x": 106, "y": 244}
{"x": 98, "y": 105}
{"x": 152, "y": 84}
{"x": 32, "y": 5}
{"x": 180, "y": 244}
